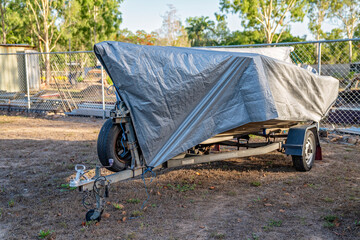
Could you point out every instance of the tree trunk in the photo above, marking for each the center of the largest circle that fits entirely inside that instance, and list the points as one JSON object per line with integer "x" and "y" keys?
{"x": 2, "y": 10}
{"x": 350, "y": 51}
{"x": 47, "y": 60}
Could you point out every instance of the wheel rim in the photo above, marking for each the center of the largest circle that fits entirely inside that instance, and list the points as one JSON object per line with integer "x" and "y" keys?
{"x": 120, "y": 148}
{"x": 309, "y": 151}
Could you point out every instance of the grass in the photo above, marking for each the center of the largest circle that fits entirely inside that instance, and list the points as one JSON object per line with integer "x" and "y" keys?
{"x": 136, "y": 213}
{"x": 231, "y": 193}
{"x": 330, "y": 221}
{"x": 272, "y": 223}
{"x": 327, "y": 199}
{"x": 133, "y": 200}
{"x": 4, "y": 121}
{"x": 183, "y": 187}
{"x": 256, "y": 184}
{"x": 216, "y": 235}
{"x": 118, "y": 206}
{"x": 44, "y": 234}
{"x": 11, "y": 203}
{"x": 66, "y": 187}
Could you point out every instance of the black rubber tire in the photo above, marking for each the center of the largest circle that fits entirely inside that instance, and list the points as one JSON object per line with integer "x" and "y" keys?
{"x": 89, "y": 214}
{"x": 299, "y": 162}
{"x": 106, "y": 147}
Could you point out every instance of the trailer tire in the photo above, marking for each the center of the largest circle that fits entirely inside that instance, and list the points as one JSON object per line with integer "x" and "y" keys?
{"x": 108, "y": 143}
{"x": 305, "y": 162}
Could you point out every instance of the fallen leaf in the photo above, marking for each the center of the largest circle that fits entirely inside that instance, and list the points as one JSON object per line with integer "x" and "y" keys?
{"x": 108, "y": 203}
{"x": 282, "y": 210}
{"x": 106, "y": 215}
{"x": 97, "y": 223}
{"x": 123, "y": 212}
{"x": 123, "y": 219}
{"x": 59, "y": 214}
{"x": 202, "y": 227}
{"x": 239, "y": 220}
{"x": 267, "y": 204}
{"x": 83, "y": 224}
{"x": 212, "y": 188}
{"x": 197, "y": 173}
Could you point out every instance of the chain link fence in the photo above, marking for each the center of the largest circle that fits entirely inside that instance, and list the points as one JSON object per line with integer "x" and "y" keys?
{"x": 71, "y": 82}
{"x": 75, "y": 82}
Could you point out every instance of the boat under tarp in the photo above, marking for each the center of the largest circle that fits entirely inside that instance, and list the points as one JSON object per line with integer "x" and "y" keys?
{"x": 181, "y": 97}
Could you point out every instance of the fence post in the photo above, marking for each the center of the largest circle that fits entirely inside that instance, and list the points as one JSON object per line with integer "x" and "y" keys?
{"x": 319, "y": 58}
{"x": 27, "y": 82}
{"x": 103, "y": 91}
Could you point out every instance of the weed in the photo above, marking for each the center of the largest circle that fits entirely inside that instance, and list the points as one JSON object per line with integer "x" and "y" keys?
{"x": 328, "y": 199}
{"x": 136, "y": 213}
{"x": 118, "y": 206}
{"x": 256, "y": 184}
{"x": 4, "y": 121}
{"x": 257, "y": 199}
{"x": 357, "y": 223}
{"x": 153, "y": 205}
{"x": 64, "y": 225}
{"x": 302, "y": 220}
{"x": 133, "y": 200}
{"x": 253, "y": 237}
{"x": 231, "y": 193}
{"x": 44, "y": 234}
{"x": 330, "y": 221}
{"x": 271, "y": 224}
{"x": 216, "y": 235}
{"x": 311, "y": 185}
{"x": 66, "y": 187}
{"x": 11, "y": 203}
{"x": 1, "y": 212}
{"x": 182, "y": 188}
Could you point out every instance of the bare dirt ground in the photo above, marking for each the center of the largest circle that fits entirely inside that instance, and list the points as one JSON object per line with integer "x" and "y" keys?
{"x": 259, "y": 197}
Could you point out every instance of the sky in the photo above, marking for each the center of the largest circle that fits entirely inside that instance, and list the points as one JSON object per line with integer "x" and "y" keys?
{"x": 146, "y": 15}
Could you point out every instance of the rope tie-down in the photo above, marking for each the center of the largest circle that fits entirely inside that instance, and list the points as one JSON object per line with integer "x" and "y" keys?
{"x": 153, "y": 176}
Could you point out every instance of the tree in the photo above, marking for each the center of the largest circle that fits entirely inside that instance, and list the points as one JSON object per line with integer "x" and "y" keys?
{"x": 12, "y": 19}
{"x": 197, "y": 29}
{"x": 318, "y": 12}
{"x": 4, "y": 18}
{"x": 95, "y": 21}
{"x": 141, "y": 37}
{"x": 270, "y": 16}
{"x": 348, "y": 11}
{"x": 48, "y": 16}
{"x": 172, "y": 33}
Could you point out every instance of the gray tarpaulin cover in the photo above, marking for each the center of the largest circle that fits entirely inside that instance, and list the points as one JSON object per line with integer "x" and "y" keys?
{"x": 180, "y": 97}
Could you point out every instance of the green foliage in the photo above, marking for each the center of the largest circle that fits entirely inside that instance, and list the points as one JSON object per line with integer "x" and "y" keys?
{"x": 182, "y": 187}
{"x": 318, "y": 12}
{"x": 44, "y": 234}
{"x": 11, "y": 203}
{"x": 133, "y": 200}
{"x": 140, "y": 37}
{"x": 136, "y": 213}
{"x": 256, "y": 184}
{"x": 118, "y": 206}
{"x": 108, "y": 80}
{"x": 65, "y": 187}
{"x": 204, "y": 32}
{"x": 80, "y": 79}
{"x": 272, "y": 223}
{"x": 94, "y": 21}
{"x": 330, "y": 221}
{"x": 267, "y": 16}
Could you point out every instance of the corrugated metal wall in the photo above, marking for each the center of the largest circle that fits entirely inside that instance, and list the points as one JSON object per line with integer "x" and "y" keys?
{"x": 13, "y": 72}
